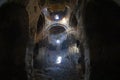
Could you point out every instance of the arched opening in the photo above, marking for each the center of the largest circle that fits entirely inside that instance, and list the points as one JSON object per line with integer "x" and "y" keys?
{"x": 56, "y": 30}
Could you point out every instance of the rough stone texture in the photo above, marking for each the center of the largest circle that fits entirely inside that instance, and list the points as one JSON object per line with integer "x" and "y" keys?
{"x": 16, "y": 20}
{"x": 33, "y": 12}
{"x": 102, "y": 28}
{"x": 21, "y": 2}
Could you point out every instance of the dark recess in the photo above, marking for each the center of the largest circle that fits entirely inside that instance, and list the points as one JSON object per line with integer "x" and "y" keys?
{"x": 102, "y": 25}
{"x": 13, "y": 39}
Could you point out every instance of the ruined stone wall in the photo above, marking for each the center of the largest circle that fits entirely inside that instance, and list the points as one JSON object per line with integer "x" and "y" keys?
{"x": 33, "y": 12}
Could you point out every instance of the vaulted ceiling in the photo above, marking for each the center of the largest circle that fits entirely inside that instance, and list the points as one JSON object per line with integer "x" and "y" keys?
{"x": 102, "y": 25}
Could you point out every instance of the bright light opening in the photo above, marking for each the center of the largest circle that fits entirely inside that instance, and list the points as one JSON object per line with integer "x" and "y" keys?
{"x": 58, "y": 41}
{"x": 59, "y": 59}
{"x": 57, "y": 17}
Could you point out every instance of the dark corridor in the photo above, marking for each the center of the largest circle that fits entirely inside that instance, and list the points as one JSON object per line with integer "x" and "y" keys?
{"x": 102, "y": 26}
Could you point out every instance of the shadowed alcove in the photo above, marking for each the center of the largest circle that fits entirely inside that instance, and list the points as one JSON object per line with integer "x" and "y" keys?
{"x": 14, "y": 25}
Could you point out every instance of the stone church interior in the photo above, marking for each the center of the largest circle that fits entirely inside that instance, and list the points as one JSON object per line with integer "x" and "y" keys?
{"x": 22, "y": 20}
